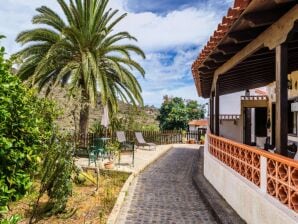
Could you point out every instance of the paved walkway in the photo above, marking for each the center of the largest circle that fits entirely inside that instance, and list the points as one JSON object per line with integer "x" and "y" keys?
{"x": 164, "y": 193}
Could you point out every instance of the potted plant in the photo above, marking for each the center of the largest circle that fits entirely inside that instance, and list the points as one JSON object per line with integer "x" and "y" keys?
{"x": 202, "y": 140}
{"x": 184, "y": 139}
{"x": 112, "y": 149}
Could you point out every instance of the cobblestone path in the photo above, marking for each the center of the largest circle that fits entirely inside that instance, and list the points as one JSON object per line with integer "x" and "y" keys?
{"x": 164, "y": 193}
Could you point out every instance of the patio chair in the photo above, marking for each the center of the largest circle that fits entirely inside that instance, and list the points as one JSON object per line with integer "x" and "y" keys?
{"x": 142, "y": 142}
{"x": 96, "y": 150}
{"x": 125, "y": 146}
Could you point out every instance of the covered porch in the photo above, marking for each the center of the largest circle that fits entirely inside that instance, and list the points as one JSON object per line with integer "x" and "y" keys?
{"x": 255, "y": 45}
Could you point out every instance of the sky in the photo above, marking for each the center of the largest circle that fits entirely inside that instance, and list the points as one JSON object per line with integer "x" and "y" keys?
{"x": 171, "y": 32}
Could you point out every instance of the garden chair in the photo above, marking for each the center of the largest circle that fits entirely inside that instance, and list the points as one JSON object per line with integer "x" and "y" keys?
{"x": 142, "y": 142}
{"x": 96, "y": 150}
{"x": 125, "y": 146}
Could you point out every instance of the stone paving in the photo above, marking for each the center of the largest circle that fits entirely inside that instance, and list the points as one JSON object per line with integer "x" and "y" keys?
{"x": 164, "y": 193}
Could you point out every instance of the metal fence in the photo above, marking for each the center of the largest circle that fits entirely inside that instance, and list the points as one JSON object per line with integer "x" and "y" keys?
{"x": 157, "y": 137}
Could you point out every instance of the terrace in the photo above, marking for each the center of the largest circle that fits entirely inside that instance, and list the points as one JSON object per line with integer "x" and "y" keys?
{"x": 254, "y": 46}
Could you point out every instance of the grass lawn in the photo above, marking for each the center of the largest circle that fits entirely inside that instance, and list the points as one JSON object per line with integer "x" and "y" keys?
{"x": 84, "y": 206}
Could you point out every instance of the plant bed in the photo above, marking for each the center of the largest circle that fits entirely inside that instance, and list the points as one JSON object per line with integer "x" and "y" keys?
{"x": 84, "y": 206}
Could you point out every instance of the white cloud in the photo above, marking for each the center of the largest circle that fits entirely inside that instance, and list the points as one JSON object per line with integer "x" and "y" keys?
{"x": 157, "y": 35}
{"x": 185, "y": 27}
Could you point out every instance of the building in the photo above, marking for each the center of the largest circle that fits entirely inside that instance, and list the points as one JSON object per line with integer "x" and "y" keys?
{"x": 255, "y": 45}
{"x": 195, "y": 125}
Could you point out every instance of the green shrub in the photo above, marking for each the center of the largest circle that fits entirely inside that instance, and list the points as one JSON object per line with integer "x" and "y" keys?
{"x": 12, "y": 220}
{"x": 56, "y": 174}
{"x": 26, "y": 126}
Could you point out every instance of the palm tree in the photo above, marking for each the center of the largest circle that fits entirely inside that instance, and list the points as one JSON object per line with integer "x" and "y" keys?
{"x": 82, "y": 53}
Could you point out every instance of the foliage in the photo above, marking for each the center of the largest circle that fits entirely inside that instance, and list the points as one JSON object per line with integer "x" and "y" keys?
{"x": 195, "y": 110}
{"x": 26, "y": 125}
{"x": 175, "y": 113}
{"x": 56, "y": 175}
{"x": 84, "y": 53}
{"x": 12, "y": 220}
{"x": 112, "y": 148}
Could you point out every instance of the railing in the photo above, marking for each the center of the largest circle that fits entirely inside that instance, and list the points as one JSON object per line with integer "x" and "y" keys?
{"x": 229, "y": 117}
{"x": 254, "y": 98}
{"x": 273, "y": 174}
{"x": 158, "y": 137}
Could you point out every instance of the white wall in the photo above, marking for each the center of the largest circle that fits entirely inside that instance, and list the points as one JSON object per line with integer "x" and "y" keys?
{"x": 253, "y": 205}
{"x": 230, "y": 130}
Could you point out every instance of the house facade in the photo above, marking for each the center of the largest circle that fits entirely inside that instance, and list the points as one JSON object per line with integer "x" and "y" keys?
{"x": 255, "y": 45}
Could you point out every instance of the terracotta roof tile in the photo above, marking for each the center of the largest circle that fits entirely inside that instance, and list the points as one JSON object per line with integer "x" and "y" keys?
{"x": 198, "y": 123}
{"x": 223, "y": 27}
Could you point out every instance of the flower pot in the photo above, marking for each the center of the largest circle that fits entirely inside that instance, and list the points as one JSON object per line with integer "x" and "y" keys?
{"x": 109, "y": 165}
{"x": 191, "y": 141}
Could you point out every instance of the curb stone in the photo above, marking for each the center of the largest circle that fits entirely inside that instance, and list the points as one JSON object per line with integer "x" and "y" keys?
{"x": 220, "y": 209}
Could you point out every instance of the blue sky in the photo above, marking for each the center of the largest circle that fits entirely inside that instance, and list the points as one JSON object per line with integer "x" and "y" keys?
{"x": 171, "y": 32}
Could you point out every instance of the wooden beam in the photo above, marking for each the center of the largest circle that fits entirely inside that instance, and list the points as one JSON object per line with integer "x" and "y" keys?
{"x": 275, "y": 35}
{"x": 266, "y": 17}
{"x": 211, "y": 64}
{"x": 227, "y": 49}
{"x": 219, "y": 57}
{"x": 212, "y": 113}
{"x": 245, "y": 36}
{"x": 217, "y": 109}
{"x": 281, "y": 123}
{"x": 205, "y": 70}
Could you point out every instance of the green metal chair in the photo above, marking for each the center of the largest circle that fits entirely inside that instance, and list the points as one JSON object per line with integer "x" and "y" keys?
{"x": 96, "y": 150}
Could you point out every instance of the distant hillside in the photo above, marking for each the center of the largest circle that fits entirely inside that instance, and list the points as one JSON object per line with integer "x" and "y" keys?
{"x": 142, "y": 116}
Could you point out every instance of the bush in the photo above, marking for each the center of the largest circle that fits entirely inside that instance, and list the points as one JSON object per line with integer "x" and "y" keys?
{"x": 56, "y": 176}
{"x": 57, "y": 170}
{"x": 26, "y": 126}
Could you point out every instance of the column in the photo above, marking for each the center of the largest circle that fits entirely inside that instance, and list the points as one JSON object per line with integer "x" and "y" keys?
{"x": 216, "y": 118}
{"x": 281, "y": 73}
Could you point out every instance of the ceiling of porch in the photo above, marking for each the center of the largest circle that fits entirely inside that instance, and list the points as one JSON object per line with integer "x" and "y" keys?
{"x": 243, "y": 23}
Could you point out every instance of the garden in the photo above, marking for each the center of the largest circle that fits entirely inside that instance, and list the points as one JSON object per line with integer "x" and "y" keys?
{"x": 82, "y": 56}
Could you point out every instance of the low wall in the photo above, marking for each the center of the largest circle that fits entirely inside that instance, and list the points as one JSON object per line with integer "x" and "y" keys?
{"x": 249, "y": 201}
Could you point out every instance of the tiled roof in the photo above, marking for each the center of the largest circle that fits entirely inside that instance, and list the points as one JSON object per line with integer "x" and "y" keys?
{"x": 227, "y": 21}
{"x": 198, "y": 123}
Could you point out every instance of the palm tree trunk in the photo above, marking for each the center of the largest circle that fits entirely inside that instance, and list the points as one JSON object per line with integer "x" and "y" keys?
{"x": 84, "y": 118}
{"x": 84, "y": 114}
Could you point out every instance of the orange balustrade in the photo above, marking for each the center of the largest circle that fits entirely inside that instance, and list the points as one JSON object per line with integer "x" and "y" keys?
{"x": 282, "y": 172}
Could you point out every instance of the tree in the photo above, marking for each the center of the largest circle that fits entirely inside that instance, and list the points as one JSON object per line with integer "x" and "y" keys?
{"x": 175, "y": 113}
{"x": 26, "y": 125}
{"x": 195, "y": 110}
{"x": 83, "y": 53}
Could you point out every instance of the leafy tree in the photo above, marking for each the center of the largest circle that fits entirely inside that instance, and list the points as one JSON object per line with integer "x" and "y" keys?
{"x": 83, "y": 53}
{"x": 195, "y": 110}
{"x": 175, "y": 113}
{"x": 26, "y": 126}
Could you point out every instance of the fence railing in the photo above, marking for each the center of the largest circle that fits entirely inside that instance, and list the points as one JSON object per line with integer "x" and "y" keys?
{"x": 254, "y": 98}
{"x": 157, "y": 137}
{"x": 274, "y": 174}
